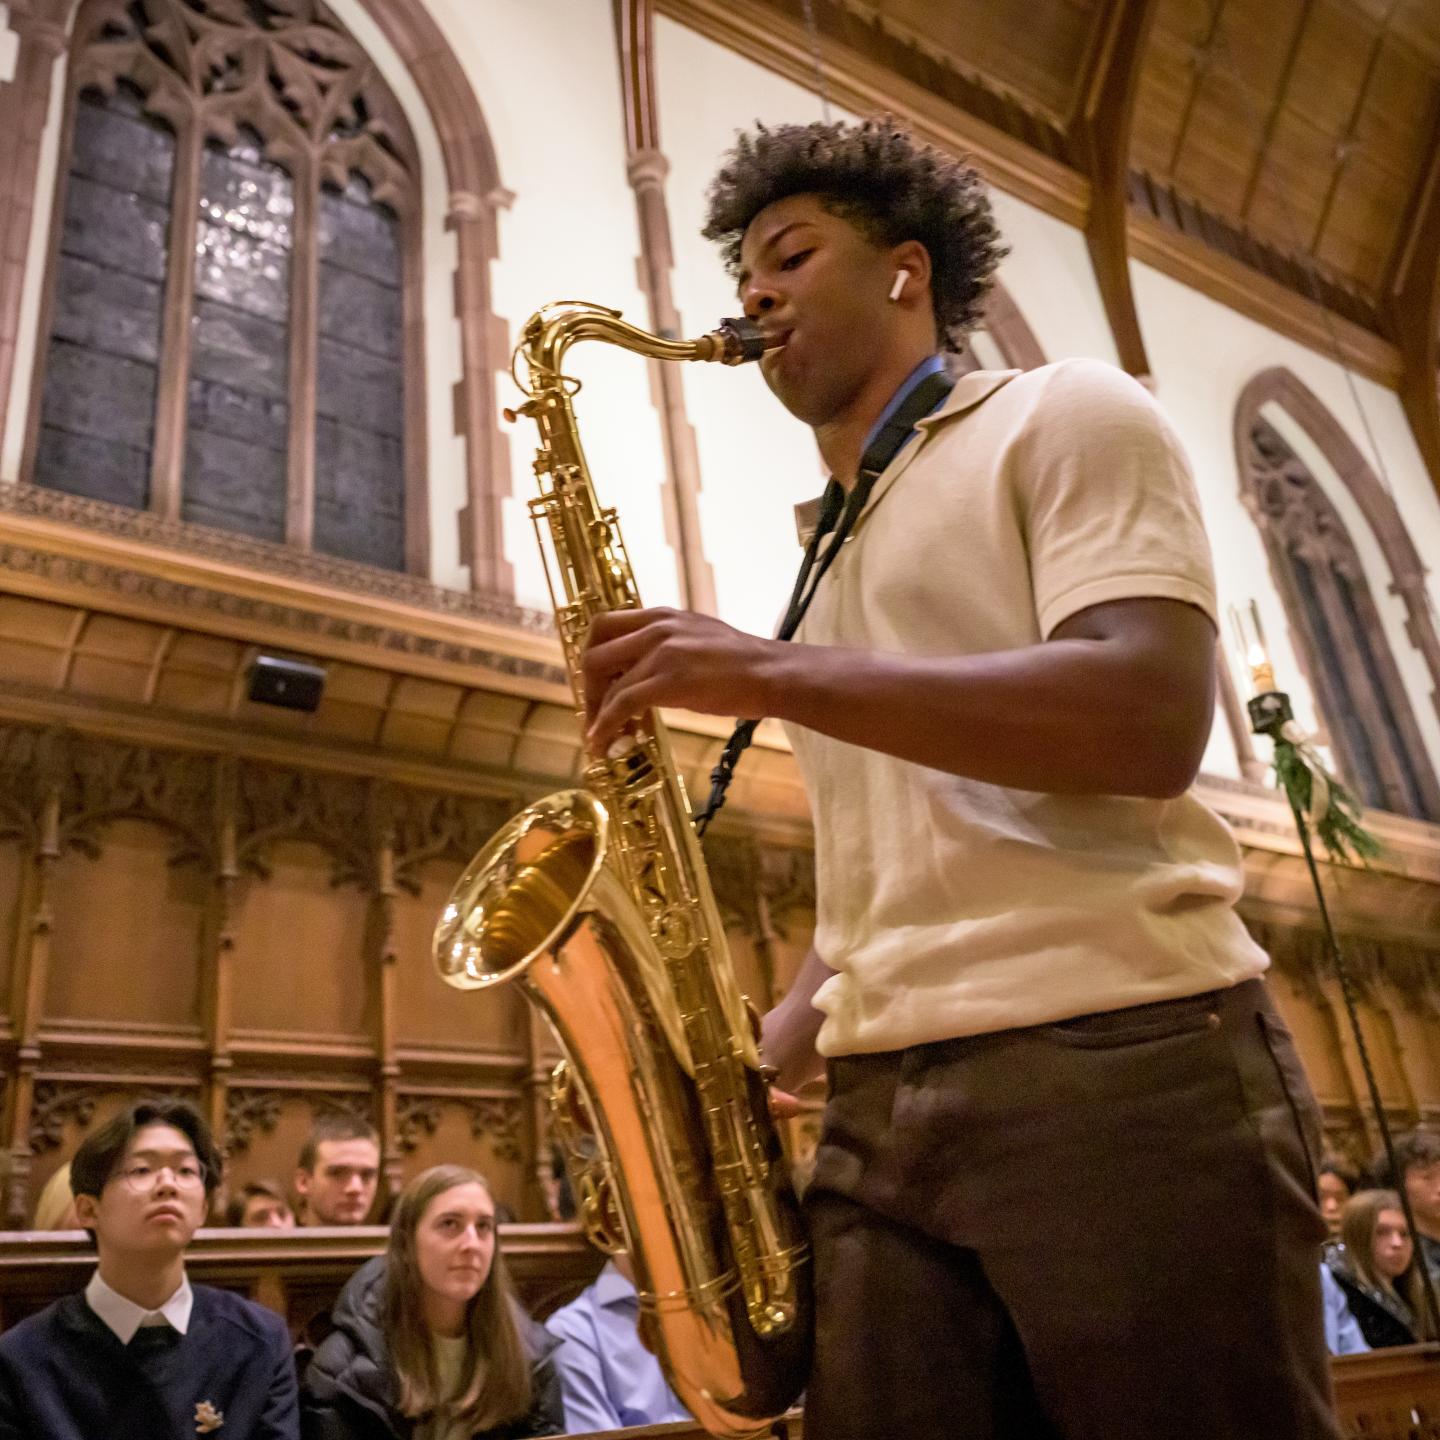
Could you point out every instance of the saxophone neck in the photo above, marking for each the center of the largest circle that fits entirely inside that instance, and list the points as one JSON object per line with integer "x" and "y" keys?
{"x": 550, "y": 332}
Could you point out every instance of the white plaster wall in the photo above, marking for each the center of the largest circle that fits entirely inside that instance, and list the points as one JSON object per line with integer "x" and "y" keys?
{"x": 1049, "y": 276}
{"x": 756, "y": 461}
{"x": 548, "y": 81}
{"x": 18, "y": 401}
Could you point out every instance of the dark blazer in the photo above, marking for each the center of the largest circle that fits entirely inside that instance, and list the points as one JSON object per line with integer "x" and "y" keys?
{"x": 349, "y": 1391}
{"x": 65, "y": 1376}
{"x": 1384, "y": 1319}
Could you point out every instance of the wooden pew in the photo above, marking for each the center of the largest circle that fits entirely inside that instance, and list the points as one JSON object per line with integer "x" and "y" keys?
{"x": 1387, "y": 1395}
{"x": 297, "y": 1273}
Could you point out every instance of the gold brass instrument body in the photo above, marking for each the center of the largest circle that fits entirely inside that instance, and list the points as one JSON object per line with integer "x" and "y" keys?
{"x": 597, "y": 901}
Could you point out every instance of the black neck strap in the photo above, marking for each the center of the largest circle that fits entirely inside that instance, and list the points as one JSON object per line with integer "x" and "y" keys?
{"x": 839, "y": 513}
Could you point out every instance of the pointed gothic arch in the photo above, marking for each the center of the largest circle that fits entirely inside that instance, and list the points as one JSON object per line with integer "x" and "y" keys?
{"x": 1340, "y": 637}
{"x": 1009, "y": 331}
{"x": 474, "y": 195}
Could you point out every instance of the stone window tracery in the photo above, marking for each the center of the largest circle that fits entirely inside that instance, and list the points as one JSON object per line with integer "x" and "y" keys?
{"x": 233, "y": 300}
{"x": 1339, "y": 631}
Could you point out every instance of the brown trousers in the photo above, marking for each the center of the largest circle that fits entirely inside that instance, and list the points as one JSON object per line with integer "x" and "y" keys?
{"x": 1094, "y": 1230}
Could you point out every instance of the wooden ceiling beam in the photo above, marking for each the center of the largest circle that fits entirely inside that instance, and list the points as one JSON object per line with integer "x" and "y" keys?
{"x": 1100, "y": 140}
{"x": 860, "y": 84}
{"x": 1414, "y": 314}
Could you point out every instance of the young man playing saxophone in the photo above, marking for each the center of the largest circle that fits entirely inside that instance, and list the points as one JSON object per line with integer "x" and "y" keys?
{"x": 1065, "y": 1183}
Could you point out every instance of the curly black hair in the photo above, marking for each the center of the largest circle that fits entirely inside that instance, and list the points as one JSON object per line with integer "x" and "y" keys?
{"x": 890, "y": 185}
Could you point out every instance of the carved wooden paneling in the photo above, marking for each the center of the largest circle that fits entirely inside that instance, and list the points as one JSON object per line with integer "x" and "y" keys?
{"x": 301, "y": 961}
{"x": 484, "y": 1130}
{"x": 429, "y": 1012}
{"x": 193, "y": 924}
{"x": 12, "y": 882}
{"x": 146, "y": 974}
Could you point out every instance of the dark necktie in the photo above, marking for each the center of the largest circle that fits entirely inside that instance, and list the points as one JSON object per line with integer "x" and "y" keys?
{"x": 150, "y": 1338}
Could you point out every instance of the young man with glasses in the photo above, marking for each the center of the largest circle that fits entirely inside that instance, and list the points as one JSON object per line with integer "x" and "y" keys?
{"x": 141, "y": 1352}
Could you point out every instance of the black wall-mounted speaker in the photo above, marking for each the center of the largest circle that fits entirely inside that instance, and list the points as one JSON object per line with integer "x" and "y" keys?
{"x": 291, "y": 684}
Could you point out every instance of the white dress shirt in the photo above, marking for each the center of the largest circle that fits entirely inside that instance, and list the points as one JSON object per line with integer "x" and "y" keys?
{"x": 125, "y": 1317}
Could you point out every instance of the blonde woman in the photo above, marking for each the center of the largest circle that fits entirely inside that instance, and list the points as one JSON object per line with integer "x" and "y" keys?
{"x": 429, "y": 1342}
{"x": 1376, "y": 1267}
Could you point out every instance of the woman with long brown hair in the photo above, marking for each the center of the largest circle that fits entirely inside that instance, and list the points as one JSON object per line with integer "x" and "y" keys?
{"x": 1377, "y": 1268}
{"x": 429, "y": 1342}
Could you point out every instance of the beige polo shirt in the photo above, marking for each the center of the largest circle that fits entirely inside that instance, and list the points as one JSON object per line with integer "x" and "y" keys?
{"x": 952, "y": 907}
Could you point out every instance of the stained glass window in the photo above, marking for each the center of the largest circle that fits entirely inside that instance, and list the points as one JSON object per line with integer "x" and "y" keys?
{"x": 98, "y": 406}
{"x": 228, "y": 332}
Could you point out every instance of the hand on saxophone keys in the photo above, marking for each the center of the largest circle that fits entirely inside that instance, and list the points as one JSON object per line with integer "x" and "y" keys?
{"x": 638, "y": 660}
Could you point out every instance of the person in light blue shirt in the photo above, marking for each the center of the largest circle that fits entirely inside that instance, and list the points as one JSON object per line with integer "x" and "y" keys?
{"x": 1342, "y": 1330}
{"x": 608, "y": 1379}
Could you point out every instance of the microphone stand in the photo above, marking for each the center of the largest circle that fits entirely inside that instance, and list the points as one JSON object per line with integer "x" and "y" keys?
{"x": 1342, "y": 834}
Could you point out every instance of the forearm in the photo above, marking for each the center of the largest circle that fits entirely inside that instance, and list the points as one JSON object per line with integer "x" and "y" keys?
{"x": 788, "y": 1032}
{"x": 1070, "y": 716}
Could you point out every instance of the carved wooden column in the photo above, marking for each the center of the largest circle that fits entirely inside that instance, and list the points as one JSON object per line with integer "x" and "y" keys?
{"x": 537, "y": 1089}
{"x": 32, "y": 968}
{"x": 24, "y": 106}
{"x": 646, "y": 168}
{"x": 222, "y": 952}
{"x": 387, "y": 957}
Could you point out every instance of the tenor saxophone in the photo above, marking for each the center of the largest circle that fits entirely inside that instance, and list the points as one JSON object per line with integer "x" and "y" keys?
{"x": 596, "y": 900}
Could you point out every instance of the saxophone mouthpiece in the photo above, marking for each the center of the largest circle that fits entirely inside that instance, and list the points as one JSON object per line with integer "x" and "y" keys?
{"x": 741, "y": 340}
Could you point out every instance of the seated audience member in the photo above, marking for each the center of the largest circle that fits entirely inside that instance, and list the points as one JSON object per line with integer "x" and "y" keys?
{"x": 1418, "y": 1156}
{"x": 1334, "y": 1185}
{"x": 607, "y": 1377}
{"x": 55, "y": 1209}
{"x": 1342, "y": 1330}
{"x": 261, "y": 1205}
{"x": 142, "y": 1354}
{"x": 338, "y": 1172}
{"x": 428, "y": 1341}
{"x": 1376, "y": 1266}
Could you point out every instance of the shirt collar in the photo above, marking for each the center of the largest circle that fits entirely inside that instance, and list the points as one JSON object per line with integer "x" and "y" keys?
{"x": 612, "y": 1288}
{"x": 931, "y": 365}
{"x": 125, "y": 1317}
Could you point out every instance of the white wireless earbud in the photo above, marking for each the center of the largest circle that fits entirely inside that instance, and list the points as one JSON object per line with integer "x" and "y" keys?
{"x": 901, "y": 276}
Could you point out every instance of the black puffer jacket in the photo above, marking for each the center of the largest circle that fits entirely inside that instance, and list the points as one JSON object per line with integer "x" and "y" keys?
{"x": 1384, "y": 1319}
{"x": 349, "y": 1391}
